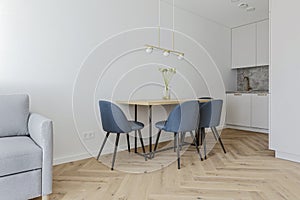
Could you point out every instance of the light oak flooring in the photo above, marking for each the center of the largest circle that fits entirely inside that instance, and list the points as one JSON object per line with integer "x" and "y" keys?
{"x": 248, "y": 171}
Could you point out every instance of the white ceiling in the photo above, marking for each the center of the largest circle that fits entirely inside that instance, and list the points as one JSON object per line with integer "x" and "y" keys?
{"x": 226, "y": 12}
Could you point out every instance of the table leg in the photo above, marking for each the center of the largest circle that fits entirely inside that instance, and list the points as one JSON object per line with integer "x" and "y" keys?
{"x": 135, "y": 132}
{"x": 150, "y": 129}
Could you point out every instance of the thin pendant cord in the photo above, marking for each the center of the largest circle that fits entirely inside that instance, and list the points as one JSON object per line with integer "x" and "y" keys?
{"x": 173, "y": 34}
{"x": 158, "y": 23}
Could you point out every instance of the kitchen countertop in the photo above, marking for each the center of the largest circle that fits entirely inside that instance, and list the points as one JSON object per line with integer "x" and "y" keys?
{"x": 249, "y": 92}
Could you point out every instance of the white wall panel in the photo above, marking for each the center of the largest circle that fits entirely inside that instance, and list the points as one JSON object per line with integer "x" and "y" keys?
{"x": 45, "y": 44}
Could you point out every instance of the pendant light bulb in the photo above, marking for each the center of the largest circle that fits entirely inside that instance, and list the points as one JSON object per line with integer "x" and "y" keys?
{"x": 250, "y": 9}
{"x": 180, "y": 56}
{"x": 149, "y": 50}
{"x": 243, "y": 5}
{"x": 166, "y": 53}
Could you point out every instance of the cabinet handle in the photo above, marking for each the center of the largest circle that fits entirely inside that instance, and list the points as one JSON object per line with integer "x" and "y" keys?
{"x": 237, "y": 94}
{"x": 262, "y": 94}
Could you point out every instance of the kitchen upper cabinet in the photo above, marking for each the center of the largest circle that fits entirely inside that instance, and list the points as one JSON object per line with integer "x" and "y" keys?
{"x": 238, "y": 111}
{"x": 250, "y": 45}
{"x": 260, "y": 111}
{"x": 262, "y": 54}
{"x": 244, "y": 46}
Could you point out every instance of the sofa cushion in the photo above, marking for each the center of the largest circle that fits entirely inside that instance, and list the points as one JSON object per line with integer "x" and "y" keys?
{"x": 14, "y": 112}
{"x": 19, "y": 154}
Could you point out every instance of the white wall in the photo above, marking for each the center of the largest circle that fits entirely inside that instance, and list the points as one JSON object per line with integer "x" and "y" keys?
{"x": 51, "y": 49}
{"x": 284, "y": 74}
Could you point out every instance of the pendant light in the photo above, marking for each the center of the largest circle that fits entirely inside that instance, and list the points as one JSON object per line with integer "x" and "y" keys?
{"x": 165, "y": 52}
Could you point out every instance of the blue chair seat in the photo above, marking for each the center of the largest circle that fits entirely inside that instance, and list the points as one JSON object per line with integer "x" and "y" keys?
{"x": 114, "y": 121}
{"x": 210, "y": 113}
{"x": 183, "y": 118}
{"x": 136, "y": 125}
{"x": 160, "y": 125}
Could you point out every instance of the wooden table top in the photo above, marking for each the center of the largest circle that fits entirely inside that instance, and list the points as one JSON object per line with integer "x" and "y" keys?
{"x": 155, "y": 102}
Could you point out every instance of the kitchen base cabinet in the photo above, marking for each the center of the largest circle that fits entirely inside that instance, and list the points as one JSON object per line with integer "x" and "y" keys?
{"x": 260, "y": 111}
{"x": 238, "y": 109}
{"x": 250, "y": 111}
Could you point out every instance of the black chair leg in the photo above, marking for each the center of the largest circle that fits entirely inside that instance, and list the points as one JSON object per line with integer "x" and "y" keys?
{"x": 105, "y": 139}
{"x": 197, "y": 137}
{"x": 156, "y": 143}
{"x": 135, "y": 142}
{"x": 115, "y": 151}
{"x": 215, "y": 131}
{"x": 203, "y": 141}
{"x": 202, "y": 135}
{"x": 128, "y": 142}
{"x": 197, "y": 148}
{"x": 182, "y": 139}
{"x": 178, "y": 149}
{"x": 175, "y": 142}
{"x": 142, "y": 143}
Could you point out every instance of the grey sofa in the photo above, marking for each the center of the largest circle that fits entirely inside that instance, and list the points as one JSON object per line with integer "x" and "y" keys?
{"x": 25, "y": 150}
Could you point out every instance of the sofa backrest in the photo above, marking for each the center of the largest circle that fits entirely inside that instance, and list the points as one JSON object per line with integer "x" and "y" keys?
{"x": 14, "y": 112}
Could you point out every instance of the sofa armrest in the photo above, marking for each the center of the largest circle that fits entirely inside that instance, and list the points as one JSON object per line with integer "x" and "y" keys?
{"x": 41, "y": 131}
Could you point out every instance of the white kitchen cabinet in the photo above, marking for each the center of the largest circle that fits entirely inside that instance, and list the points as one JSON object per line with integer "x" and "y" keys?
{"x": 260, "y": 111}
{"x": 262, "y": 43}
{"x": 248, "y": 110}
{"x": 238, "y": 111}
{"x": 244, "y": 46}
{"x": 250, "y": 45}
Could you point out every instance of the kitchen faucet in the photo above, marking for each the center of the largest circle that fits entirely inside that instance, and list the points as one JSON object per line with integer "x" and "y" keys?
{"x": 247, "y": 84}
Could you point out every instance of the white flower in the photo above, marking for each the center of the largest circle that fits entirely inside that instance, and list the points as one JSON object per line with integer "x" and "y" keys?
{"x": 167, "y": 75}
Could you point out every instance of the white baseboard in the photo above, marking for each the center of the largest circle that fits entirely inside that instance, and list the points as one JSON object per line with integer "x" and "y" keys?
{"x": 85, "y": 155}
{"x": 259, "y": 130}
{"x": 287, "y": 156}
{"x": 71, "y": 158}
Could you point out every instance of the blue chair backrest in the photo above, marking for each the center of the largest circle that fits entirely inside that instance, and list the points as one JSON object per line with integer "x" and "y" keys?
{"x": 210, "y": 113}
{"x": 183, "y": 118}
{"x": 113, "y": 119}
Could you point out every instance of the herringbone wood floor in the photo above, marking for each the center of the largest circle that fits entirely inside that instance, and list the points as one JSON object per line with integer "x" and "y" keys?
{"x": 248, "y": 171}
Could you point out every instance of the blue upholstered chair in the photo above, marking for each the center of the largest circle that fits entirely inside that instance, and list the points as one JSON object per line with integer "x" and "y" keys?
{"x": 114, "y": 121}
{"x": 183, "y": 118}
{"x": 210, "y": 113}
{"x": 26, "y": 150}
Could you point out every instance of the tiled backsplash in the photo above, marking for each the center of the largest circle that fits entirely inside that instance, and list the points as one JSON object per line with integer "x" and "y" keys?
{"x": 258, "y": 78}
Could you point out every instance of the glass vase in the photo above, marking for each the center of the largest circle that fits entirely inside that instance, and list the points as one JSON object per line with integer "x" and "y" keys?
{"x": 166, "y": 93}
